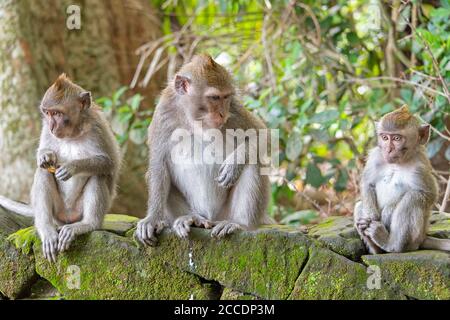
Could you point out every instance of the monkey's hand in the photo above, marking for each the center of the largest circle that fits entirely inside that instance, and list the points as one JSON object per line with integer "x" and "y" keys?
{"x": 50, "y": 245}
{"x": 147, "y": 230}
{"x": 47, "y": 159}
{"x": 223, "y": 228}
{"x": 66, "y": 171}
{"x": 229, "y": 174}
{"x": 182, "y": 225}
{"x": 376, "y": 231}
{"x": 362, "y": 224}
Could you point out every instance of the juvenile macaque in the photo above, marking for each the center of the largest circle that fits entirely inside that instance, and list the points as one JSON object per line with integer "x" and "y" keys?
{"x": 78, "y": 163}
{"x": 223, "y": 196}
{"x": 398, "y": 188}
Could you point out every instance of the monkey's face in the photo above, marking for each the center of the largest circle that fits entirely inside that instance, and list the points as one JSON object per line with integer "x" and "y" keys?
{"x": 393, "y": 146}
{"x": 208, "y": 105}
{"x": 62, "y": 121}
{"x": 213, "y": 109}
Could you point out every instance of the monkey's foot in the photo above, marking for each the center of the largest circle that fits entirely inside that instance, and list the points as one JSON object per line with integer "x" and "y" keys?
{"x": 148, "y": 229}
{"x": 66, "y": 236}
{"x": 377, "y": 232}
{"x": 50, "y": 246}
{"x": 183, "y": 224}
{"x": 223, "y": 228}
{"x": 229, "y": 174}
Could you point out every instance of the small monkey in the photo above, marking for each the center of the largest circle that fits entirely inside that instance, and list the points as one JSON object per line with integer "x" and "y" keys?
{"x": 226, "y": 196}
{"x": 398, "y": 188}
{"x": 78, "y": 163}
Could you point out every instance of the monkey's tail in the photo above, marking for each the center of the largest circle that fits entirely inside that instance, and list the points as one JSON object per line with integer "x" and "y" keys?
{"x": 435, "y": 243}
{"x": 16, "y": 207}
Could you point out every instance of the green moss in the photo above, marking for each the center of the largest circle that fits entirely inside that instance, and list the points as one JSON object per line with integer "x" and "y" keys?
{"x": 16, "y": 270}
{"x": 230, "y": 294}
{"x": 423, "y": 274}
{"x": 23, "y": 239}
{"x": 339, "y": 235}
{"x": 328, "y": 275}
{"x": 112, "y": 267}
{"x": 118, "y": 223}
{"x": 264, "y": 263}
{"x": 120, "y": 218}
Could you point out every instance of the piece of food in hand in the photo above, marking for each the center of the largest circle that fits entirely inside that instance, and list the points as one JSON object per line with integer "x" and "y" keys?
{"x": 51, "y": 169}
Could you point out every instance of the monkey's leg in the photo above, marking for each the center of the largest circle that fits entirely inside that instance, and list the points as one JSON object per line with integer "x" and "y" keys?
{"x": 96, "y": 201}
{"x": 406, "y": 228}
{"x": 361, "y": 223}
{"x": 247, "y": 203}
{"x": 45, "y": 201}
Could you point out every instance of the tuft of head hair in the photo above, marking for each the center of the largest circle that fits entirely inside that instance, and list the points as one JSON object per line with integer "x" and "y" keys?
{"x": 202, "y": 67}
{"x": 62, "y": 90}
{"x": 399, "y": 119}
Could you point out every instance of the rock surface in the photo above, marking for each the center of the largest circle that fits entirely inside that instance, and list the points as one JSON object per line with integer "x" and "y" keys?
{"x": 274, "y": 262}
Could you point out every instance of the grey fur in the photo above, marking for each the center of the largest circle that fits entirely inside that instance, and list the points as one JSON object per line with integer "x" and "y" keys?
{"x": 85, "y": 182}
{"x": 224, "y": 197}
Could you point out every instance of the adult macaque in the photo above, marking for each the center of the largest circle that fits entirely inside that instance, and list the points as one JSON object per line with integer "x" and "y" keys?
{"x": 226, "y": 196}
{"x": 78, "y": 164}
{"x": 398, "y": 188}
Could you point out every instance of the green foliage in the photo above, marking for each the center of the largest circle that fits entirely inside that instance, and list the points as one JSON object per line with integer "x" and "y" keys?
{"x": 321, "y": 72}
{"x": 128, "y": 121}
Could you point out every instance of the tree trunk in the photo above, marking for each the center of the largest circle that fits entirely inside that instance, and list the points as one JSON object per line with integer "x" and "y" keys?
{"x": 36, "y": 46}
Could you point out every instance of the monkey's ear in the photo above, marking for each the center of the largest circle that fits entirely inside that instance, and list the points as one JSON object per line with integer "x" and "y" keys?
{"x": 182, "y": 84}
{"x": 424, "y": 134}
{"x": 86, "y": 99}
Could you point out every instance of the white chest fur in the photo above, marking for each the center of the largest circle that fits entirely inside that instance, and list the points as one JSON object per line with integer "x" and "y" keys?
{"x": 65, "y": 153}
{"x": 394, "y": 181}
{"x": 73, "y": 150}
{"x": 194, "y": 175}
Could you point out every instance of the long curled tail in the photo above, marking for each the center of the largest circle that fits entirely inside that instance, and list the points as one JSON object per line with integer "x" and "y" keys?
{"x": 16, "y": 207}
{"x": 435, "y": 243}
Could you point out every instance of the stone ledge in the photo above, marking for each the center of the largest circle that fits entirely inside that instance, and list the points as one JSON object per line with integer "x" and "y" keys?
{"x": 274, "y": 262}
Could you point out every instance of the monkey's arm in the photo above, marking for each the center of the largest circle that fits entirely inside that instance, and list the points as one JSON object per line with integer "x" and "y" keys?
{"x": 369, "y": 201}
{"x": 95, "y": 166}
{"x": 158, "y": 181}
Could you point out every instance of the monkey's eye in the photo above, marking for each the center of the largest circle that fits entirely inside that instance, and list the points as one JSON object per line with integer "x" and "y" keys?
{"x": 384, "y": 137}
{"x": 397, "y": 138}
{"x": 215, "y": 98}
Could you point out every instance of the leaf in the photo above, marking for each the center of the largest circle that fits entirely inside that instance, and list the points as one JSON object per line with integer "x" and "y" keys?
{"x": 325, "y": 116}
{"x": 138, "y": 136}
{"x": 341, "y": 182}
{"x": 136, "y": 101}
{"x": 314, "y": 176}
{"x": 116, "y": 96}
{"x": 300, "y": 217}
{"x": 294, "y": 145}
{"x": 434, "y": 146}
{"x": 118, "y": 126}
